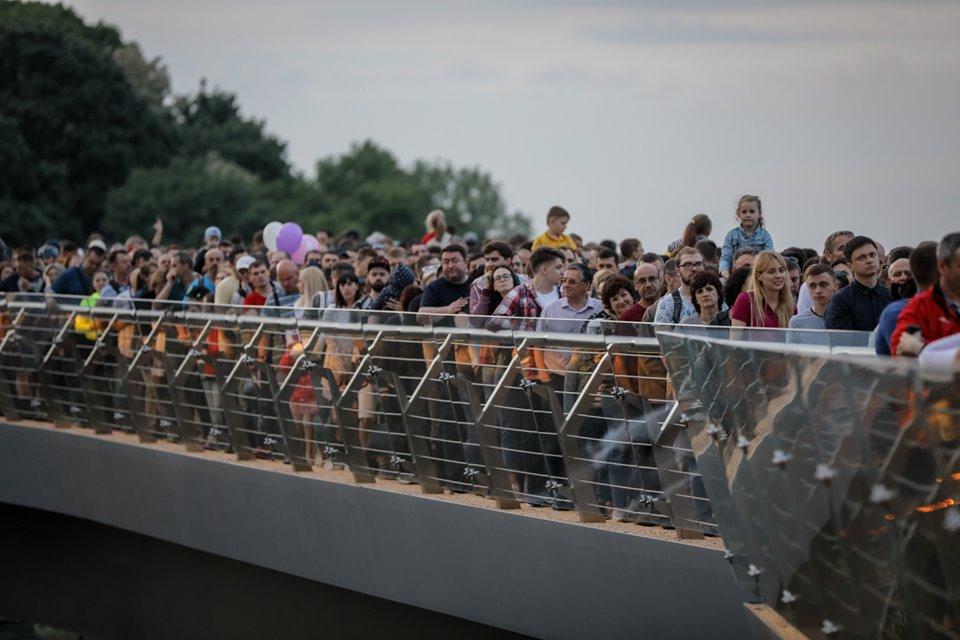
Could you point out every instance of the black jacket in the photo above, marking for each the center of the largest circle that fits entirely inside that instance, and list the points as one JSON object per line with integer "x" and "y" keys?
{"x": 857, "y": 307}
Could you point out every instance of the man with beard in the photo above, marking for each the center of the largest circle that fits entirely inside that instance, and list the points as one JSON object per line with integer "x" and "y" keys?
{"x": 378, "y": 272}
{"x": 448, "y": 295}
{"x": 678, "y": 304}
{"x": 78, "y": 281}
{"x": 646, "y": 279}
{"x": 793, "y": 274}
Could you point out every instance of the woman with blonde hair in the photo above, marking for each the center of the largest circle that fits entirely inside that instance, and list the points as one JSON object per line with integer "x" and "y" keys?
{"x": 767, "y": 302}
{"x": 436, "y": 234}
{"x": 313, "y": 287}
{"x": 600, "y": 277}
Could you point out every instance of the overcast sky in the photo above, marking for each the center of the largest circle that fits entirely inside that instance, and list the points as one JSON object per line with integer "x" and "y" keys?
{"x": 632, "y": 115}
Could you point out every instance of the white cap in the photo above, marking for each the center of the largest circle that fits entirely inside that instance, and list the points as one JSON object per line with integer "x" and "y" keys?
{"x": 97, "y": 242}
{"x": 244, "y": 262}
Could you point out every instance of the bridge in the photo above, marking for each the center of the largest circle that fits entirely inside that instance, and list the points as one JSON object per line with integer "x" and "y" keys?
{"x": 667, "y": 485}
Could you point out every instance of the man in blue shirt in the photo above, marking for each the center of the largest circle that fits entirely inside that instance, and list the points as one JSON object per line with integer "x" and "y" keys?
{"x": 857, "y": 307}
{"x": 78, "y": 281}
{"x": 923, "y": 269}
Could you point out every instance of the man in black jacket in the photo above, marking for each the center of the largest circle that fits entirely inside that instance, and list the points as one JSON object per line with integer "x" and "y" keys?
{"x": 858, "y": 305}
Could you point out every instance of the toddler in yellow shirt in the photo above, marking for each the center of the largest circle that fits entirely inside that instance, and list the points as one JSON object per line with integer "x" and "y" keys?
{"x": 554, "y": 237}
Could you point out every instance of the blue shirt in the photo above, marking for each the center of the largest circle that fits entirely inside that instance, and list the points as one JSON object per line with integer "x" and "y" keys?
{"x": 73, "y": 282}
{"x": 736, "y": 239}
{"x": 201, "y": 281}
{"x": 888, "y": 322}
{"x": 281, "y": 302}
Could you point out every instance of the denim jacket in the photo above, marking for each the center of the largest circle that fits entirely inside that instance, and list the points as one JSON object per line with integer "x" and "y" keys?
{"x": 737, "y": 239}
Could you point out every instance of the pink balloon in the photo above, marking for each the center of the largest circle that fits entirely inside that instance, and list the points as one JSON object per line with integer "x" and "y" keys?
{"x": 289, "y": 237}
{"x": 300, "y": 255}
{"x": 312, "y": 243}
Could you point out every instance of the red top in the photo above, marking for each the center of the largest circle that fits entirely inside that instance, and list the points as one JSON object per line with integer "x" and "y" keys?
{"x": 254, "y": 299}
{"x": 743, "y": 311}
{"x": 634, "y": 313}
{"x": 930, "y": 311}
{"x": 303, "y": 389}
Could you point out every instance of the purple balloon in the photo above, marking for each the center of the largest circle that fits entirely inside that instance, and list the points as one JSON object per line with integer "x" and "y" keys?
{"x": 300, "y": 255}
{"x": 289, "y": 237}
{"x": 312, "y": 243}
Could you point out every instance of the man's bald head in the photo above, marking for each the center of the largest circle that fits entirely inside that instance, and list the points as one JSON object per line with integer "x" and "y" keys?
{"x": 646, "y": 278}
{"x": 287, "y": 275}
{"x": 212, "y": 260}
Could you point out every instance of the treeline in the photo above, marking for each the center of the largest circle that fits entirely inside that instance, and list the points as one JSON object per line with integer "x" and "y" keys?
{"x": 92, "y": 138}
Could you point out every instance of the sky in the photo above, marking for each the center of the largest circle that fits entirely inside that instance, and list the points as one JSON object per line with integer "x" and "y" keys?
{"x": 632, "y": 115}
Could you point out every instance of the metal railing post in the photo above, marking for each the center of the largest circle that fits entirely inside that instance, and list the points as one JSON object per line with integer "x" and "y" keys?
{"x": 347, "y": 415}
{"x": 8, "y": 397}
{"x": 490, "y": 449}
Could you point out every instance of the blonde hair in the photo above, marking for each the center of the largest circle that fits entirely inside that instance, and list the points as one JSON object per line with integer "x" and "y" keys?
{"x": 314, "y": 282}
{"x": 436, "y": 221}
{"x": 785, "y": 300}
{"x": 600, "y": 277}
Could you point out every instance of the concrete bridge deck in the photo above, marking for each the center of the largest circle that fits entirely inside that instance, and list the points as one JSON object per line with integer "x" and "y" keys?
{"x": 535, "y": 572}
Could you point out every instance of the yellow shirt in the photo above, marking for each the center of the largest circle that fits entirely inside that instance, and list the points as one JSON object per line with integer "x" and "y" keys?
{"x": 546, "y": 240}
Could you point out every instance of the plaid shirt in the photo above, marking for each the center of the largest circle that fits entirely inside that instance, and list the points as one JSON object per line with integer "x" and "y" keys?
{"x": 519, "y": 310}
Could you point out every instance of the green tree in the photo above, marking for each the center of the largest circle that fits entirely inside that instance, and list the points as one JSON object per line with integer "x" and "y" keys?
{"x": 70, "y": 118}
{"x": 150, "y": 79}
{"x": 190, "y": 194}
{"x": 210, "y": 121}
{"x": 371, "y": 190}
{"x": 470, "y": 198}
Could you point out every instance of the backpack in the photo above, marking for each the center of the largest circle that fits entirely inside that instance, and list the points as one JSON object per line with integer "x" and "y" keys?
{"x": 677, "y": 305}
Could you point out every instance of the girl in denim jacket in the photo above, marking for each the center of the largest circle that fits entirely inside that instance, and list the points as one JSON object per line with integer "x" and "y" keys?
{"x": 751, "y": 233}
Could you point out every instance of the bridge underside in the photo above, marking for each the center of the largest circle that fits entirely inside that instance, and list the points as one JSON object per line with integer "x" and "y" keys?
{"x": 108, "y": 583}
{"x": 536, "y": 576}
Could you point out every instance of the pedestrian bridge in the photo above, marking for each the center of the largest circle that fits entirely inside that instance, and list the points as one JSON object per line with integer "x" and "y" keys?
{"x": 654, "y": 485}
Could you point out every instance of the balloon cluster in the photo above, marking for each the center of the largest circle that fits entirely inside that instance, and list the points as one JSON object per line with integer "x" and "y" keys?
{"x": 289, "y": 237}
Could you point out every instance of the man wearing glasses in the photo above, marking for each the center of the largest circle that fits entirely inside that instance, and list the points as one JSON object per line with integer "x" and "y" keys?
{"x": 677, "y": 305}
{"x": 567, "y": 315}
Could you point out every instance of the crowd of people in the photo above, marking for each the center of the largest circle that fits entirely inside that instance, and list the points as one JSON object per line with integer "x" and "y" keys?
{"x": 905, "y": 299}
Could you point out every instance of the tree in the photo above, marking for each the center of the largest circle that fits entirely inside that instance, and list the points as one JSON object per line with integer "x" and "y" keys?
{"x": 150, "y": 79}
{"x": 210, "y": 121}
{"x": 72, "y": 120}
{"x": 471, "y": 200}
{"x": 369, "y": 188}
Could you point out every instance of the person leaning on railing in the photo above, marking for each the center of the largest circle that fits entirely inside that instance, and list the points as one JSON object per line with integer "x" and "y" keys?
{"x": 934, "y": 313}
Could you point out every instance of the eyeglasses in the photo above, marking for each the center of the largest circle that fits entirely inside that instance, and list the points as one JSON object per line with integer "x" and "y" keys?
{"x": 692, "y": 265}
{"x": 504, "y": 278}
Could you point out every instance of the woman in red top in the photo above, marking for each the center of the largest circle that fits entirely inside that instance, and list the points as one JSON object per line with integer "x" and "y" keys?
{"x": 436, "y": 224}
{"x": 767, "y": 302}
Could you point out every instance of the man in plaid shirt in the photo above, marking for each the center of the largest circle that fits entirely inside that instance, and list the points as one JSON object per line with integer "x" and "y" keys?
{"x": 521, "y": 307}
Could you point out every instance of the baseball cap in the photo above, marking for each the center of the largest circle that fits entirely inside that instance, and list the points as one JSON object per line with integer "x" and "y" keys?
{"x": 49, "y": 251}
{"x": 381, "y": 263}
{"x": 97, "y": 243}
{"x": 244, "y": 262}
{"x": 212, "y": 232}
